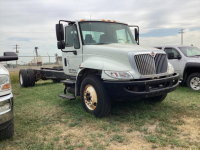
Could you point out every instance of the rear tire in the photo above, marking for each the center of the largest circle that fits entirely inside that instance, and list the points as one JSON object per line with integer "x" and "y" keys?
{"x": 23, "y": 78}
{"x": 157, "y": 99}
{"x": 94, "y": 98}
{"x": 193, "y": 81}
{"x": 8, "y": 131}
{"x": 31, "y": 77}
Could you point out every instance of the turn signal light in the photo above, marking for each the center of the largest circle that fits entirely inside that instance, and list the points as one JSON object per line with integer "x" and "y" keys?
{"x": 5, "y": 86}
{"x": 83, "y": 20}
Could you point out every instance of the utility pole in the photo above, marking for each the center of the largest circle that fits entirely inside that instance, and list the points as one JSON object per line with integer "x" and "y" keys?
{"x": 49, "y": 59}
{"x": 56, "y": 55}
{"x": 16, "y": 47}
{"x": 181, "y": 31}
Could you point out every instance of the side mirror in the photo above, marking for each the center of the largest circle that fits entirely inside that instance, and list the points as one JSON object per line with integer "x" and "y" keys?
{"x": 136, "y": 35}
{"x": 8, "y": 56}
{"x": 170, "y": 55}
{"x": 59, "y": 32}
{"x": 61, "y": 45}
{"x": 179, "y": 56}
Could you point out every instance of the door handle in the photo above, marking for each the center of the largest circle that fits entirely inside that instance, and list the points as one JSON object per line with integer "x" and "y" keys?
{"x": 75, "y": 52}
{"x": 65, "y": 60}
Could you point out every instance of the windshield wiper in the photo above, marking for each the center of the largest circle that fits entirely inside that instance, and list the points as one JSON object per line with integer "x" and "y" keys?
{"x": 196, "y": 55}
{"x": 100, "y": 43}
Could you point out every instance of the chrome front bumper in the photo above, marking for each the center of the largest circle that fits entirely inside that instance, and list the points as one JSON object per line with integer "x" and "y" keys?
{"x": 6, "y": 115}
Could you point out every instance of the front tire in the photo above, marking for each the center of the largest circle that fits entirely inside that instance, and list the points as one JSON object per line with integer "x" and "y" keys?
{"x": 94, "y": 98}
{"x": 193, "y": 81}
{"x": 8, "y": 131}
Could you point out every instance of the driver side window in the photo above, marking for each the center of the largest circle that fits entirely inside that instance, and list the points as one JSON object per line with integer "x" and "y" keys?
{"x": 71, "y": 37}
{"x": 168, "y": 50}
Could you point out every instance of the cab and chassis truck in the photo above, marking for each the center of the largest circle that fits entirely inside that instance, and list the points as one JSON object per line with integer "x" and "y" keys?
{"x": 103, "y": 62}
{"x": 6, "y": 99}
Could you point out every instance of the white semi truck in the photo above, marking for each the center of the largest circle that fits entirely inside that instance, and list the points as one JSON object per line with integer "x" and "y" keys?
{"x": 6, "y": 99}
{"x": 103, "y": 61}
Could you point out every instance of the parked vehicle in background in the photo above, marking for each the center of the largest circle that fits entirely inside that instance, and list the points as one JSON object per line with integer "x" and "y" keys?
{"x": 186, "y": 62}
{"x": 6, "y": 99}
{"x": 103, "y": 61}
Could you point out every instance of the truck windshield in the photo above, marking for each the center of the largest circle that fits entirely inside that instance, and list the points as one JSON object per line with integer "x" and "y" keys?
{"x": 94, "y": 33}
{"x": 190, "y": 51}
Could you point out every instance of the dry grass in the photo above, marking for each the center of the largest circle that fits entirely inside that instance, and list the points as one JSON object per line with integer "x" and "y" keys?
{"x": 14, "y": 76}
{"x": 45, "y": 121}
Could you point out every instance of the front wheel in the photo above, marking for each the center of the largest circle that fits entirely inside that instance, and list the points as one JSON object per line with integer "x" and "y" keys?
{"x": 94, "y": 98}
{"x": 193, "y": 81}
{"x": 8, "y": 131}
{"x": 159, "y": 98}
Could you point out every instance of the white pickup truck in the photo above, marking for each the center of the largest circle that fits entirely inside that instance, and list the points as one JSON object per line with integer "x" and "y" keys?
{"x": 186, "y": 62}
{"x": 6, "y": 99}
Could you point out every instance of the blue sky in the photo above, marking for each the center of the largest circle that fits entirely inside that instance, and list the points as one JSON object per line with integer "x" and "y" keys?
{"x": 31, "y": 23}
{"x": 161, "y": 32}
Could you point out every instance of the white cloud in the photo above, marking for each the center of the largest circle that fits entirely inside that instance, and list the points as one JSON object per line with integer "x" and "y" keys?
{"x": 189, "y": 37}
{"x": 33, "y": 19}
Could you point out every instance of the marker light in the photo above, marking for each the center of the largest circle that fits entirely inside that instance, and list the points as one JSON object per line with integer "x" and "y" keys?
{"x": 114, "y": 21}
{"x": 103, "y": 19}
{"x": 109, "y": 20}
{"x": 4, "y": 82}
{"x": 5, "y": 86}
{"x": 83, "y": 20}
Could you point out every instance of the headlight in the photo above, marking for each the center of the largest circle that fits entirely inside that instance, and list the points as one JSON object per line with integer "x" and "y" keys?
{"x": 170, "y": 69}
{"x": 119, "y": 74}
{"x": 4, "y": 82}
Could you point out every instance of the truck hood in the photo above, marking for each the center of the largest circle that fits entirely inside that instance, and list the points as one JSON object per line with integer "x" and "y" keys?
{"x": 118, "y": 50}
{"x": 193, "y": 59}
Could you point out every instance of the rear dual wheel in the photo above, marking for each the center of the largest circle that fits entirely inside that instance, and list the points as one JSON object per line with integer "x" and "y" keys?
{"x": 94, "y": 98}
{"x": 26, "y": 77}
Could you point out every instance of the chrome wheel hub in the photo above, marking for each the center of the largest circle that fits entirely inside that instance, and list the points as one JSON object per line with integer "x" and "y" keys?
{"x": 90, "y": 97}
{"x": 195, "y": 83}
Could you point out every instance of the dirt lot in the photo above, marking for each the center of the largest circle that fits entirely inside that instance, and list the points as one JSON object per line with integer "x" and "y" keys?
{"x": 45, "y": 121}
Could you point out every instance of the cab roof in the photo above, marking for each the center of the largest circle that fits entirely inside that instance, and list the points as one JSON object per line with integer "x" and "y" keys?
{"x": 102, "y": 20}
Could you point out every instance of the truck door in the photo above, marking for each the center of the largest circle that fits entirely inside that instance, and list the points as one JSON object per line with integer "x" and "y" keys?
{"x": 72, "y": 60}
{"x": 178, "y": 64}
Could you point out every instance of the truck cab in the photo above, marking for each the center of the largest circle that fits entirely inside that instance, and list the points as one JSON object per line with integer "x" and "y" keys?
{"x": 105, "y": 62}
{"x": 6, "y": 99}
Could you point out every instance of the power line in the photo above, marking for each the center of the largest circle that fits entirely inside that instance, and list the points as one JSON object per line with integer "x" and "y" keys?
{"x": 34, "y": 56}
{"x": 27, "y": 32}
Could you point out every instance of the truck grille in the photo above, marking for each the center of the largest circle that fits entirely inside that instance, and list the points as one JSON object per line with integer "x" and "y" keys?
{"x": 148, "y": 65}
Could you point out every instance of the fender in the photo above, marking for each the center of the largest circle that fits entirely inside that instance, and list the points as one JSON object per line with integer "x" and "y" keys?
{"x": 190, "y": 65}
